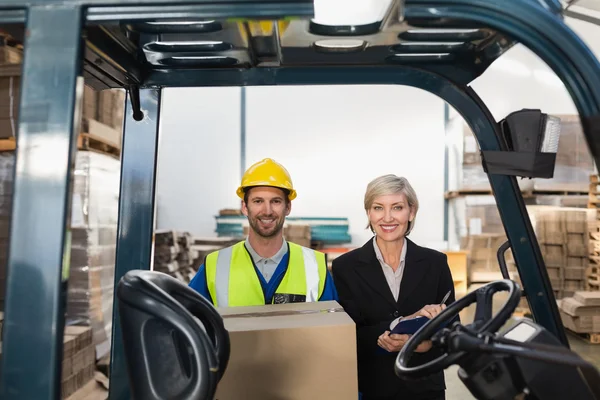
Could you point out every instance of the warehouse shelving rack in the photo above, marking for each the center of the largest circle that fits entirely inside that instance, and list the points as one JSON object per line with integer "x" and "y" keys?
{"x": 147, "y": 45}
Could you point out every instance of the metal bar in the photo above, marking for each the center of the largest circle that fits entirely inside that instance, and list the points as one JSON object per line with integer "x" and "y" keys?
{"x": 13, "y": 16}
{"x": 582, "y": 17}
{"x": 302, "y": 75}
{"x": 37, "y": 279}
{"x": 446, "y": 173}
{"x": 97, "y": 79}
{"x": 145, "y": 10}
{"x": 136, "y": 215}
{"x": 243, "y": 133}
{"x": 105, "y": 52}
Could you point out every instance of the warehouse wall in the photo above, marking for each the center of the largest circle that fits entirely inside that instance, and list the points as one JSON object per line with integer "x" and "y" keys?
{"x": 333, "y": 140}
{"x": 198, "y": 158}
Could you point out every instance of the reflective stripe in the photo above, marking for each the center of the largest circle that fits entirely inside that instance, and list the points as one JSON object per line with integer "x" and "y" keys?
{"x": 233, "y": 281}
{"x": 311, "y": 271}
{"x": 222, "y": 276}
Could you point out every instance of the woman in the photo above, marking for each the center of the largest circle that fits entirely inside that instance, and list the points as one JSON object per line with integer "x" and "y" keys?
{"x": 387, "y": 279}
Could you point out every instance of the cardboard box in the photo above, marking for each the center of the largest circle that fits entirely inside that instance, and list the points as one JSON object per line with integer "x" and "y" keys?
{"x": 290, "y": 351}
{"x": 588, "y": 298}
{"x": 90, "y": 103}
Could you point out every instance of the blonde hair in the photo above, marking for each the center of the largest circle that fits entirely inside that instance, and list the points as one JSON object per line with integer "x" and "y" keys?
{"x": 392, "y": 184}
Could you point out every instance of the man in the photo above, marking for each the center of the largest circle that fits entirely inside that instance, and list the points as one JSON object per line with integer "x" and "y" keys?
{"x": 265, "y": 268}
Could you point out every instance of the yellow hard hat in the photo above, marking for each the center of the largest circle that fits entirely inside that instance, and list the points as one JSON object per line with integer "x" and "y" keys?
{"x": 267, "y": 172}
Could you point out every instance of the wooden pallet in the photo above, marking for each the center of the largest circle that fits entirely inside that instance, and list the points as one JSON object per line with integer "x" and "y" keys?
{"x": 85, "y": 141}
{"x": 8, "y": 144}
{"x": 594, "y": 192}
{"x": 591, "y": 338}
{"x": 522, "y": 312}
{"x": 592, "y": 276}
{"x": 88, "y": 141}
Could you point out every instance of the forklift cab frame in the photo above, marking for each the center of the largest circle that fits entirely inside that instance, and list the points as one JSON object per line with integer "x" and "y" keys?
{"x": 436, "y": 45}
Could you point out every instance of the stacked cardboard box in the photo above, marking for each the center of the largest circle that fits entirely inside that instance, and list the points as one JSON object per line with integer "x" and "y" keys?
{"x": 102, "y": 112}
{"x": 174, "y": 254}
{"x": 94, "y": 214}
{"x": 482, "y": 265}
{"x": 562, "y": 233}
{"x": 93, "y": 236}
{"x": 580, "y": 313}
{"x": 574, "y": 162}
{"x": 10, "y": 84}
{"x": 295, "y": 232}
{"x": 481, "y": 211}
{"x": 111, "y": 107}
{"x": 78, "y": 361}
{"x": 593, "y": 271}
{"x": 203, "y": 246}
{"x": 563, "y": 237}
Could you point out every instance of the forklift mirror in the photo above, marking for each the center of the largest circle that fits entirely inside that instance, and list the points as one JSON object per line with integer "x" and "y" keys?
{"x": 530, "y": 138}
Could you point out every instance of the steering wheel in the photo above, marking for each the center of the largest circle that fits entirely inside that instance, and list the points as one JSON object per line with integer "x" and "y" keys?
{"x": 483, "y": 323}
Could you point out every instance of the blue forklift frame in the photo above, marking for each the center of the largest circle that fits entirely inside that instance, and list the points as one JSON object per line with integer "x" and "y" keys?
{"x": 67, "y": 39}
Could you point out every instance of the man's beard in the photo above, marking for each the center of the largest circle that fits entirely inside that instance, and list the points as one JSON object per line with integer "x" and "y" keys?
{"x": 255, "y": 225}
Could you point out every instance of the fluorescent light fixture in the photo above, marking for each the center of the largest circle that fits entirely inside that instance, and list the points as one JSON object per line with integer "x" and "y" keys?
{"x": 350, "y": 12}
{"x": 551, "y": 135}
{"x": 340, "y": 45}
{"x": 179, "y": 22}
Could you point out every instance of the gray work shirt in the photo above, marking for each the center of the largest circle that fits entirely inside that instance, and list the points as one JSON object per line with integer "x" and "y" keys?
{"x": 267, "y": 266}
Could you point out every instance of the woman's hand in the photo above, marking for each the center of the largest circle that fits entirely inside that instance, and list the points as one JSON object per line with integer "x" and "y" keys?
{"x": 392, "y": 343}
{"x": 429, "y": 311}
{"x": 424, "y": 346}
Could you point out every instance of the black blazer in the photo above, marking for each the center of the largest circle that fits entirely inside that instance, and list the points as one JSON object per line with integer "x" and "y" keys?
{"x": 365, "y": 295}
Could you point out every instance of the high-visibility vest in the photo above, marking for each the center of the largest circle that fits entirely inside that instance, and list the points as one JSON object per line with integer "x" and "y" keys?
{"x": 233, "y": 281}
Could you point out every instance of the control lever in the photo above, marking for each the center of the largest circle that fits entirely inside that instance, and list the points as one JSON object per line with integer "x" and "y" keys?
{"x": 501, "y": 254}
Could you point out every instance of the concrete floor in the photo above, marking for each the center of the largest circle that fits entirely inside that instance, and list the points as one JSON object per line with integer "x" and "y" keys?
{"x": 456, "y": 389}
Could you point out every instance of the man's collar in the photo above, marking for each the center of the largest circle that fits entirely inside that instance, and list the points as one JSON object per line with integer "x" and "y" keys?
{"x": 258, "y": 258}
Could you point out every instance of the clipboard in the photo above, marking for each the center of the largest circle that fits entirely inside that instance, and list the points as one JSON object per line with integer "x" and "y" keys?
{"x": 409, "y": 326}
{"x": 412, "y": 325}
